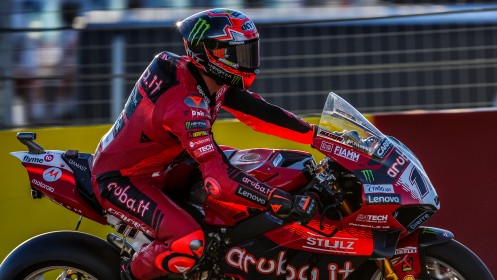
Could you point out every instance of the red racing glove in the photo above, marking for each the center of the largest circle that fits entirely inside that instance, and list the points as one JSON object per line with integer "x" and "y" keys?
{"x": 300, "y": 208}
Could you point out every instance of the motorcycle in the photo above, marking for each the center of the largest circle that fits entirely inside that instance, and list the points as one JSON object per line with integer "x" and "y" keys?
{"x": 374, "y": 197}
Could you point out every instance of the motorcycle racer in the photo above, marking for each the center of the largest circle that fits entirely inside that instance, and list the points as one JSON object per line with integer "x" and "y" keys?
{"x": 167, "y": 118}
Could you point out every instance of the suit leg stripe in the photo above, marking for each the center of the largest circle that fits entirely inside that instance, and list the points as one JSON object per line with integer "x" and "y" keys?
{"x": 159, "y": 222}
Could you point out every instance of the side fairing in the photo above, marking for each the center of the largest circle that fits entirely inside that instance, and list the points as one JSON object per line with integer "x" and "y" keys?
{"x": 252, "y": 259}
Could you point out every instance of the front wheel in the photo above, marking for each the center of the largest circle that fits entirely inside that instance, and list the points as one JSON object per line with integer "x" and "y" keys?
{"x": 453, "y": 260}
{"x": 62, "y": 255}
{"x": 450, "y": 260}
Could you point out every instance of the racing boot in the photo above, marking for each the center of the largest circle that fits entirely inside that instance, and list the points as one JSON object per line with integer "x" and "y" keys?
{"x": 183, "y": 253}
{"x": 164, "y": 259}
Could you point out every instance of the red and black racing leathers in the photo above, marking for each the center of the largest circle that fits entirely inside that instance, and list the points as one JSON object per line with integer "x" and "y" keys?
{"x": 170, "y": 111}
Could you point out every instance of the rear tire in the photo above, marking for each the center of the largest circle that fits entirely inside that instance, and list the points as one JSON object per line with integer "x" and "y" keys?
{"x": 64, "y": 250}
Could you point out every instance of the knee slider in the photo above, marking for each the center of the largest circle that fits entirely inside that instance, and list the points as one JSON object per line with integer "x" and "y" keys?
{"x": 184, "y": 253}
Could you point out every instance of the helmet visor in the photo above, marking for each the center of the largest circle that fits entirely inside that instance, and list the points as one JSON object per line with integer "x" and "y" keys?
{"x": 239, "y": 56}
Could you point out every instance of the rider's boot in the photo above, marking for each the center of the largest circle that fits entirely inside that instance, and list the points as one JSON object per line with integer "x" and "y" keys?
{"x": 163, "y": 259}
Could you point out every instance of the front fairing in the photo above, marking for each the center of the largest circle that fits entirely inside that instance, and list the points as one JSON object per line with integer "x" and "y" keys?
{"x": 387, "y": 169}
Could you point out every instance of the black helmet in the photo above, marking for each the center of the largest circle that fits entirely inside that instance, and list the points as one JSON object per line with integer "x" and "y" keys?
{"x": 224, "y": 44}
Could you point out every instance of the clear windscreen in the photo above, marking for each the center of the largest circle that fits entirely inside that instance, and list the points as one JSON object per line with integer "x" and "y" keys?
{"x": 341, "y": 122}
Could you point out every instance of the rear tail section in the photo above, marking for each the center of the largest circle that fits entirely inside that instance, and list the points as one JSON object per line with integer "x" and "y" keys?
{"x": 64, "y": 177}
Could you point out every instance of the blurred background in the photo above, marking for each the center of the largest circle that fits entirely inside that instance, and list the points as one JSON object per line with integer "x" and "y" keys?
{"x": 74, "y": 62}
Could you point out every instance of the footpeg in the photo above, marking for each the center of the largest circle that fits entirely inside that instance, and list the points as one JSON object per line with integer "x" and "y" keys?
{"x": 117, "y": 241}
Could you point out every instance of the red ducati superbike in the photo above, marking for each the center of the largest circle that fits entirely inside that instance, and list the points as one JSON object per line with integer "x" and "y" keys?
{"x": 374, "y": 195}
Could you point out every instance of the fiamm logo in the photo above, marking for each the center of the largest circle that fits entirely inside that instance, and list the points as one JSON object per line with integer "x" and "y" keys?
{"x": 198, "y": 30}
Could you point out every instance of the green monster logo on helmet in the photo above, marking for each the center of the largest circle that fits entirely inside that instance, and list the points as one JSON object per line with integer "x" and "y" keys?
{"x": 200, "y": 27}
{"x": 236, "y": 79}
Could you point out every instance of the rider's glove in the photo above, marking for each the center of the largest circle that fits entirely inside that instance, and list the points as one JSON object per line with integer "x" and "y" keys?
{"x": 299, "y": 208}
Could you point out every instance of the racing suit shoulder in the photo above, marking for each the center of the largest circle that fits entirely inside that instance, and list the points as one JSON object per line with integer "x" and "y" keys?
{"x": 161, "y": 74}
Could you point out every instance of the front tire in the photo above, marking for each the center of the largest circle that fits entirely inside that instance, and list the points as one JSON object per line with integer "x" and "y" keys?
{"x": 60, "y": 252}
{"x": 449, "y": 260}
{"x": 454, "y": 255}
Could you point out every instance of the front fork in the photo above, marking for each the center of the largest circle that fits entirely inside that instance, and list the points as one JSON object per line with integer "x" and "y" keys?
{"x": 386, "y": 269}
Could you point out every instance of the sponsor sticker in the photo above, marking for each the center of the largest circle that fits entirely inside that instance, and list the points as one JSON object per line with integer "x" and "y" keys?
{"x": 326, "y": 146}
{"x": 397, "y": 166}
{"x": 73, "y": 163}
{"x": 346, "y": 153}
{"x": 199, "y": 114}
{"x": 383, "y": 199}
{"x": 372, "y": 218}
{"x": 420, "y": 220}
{"x": 248, "y": 25}
{"x": 368, "y": 175}
{"x": 200, "y": 124}
{"x": 407, "y": 264}
{"x": 384, "y": 148}
{"x": 43, "y": 185}
{"x": 195, "y": 134}
{"x": 196, "y": 101}
{"x": 249, "y": 194}
{"x": 334, "y": 244}
{"x": 52, "y": 174}
{"x": 152, "y": 85}
{"x": 241, "y": 259}
{"x": 130, "y": 199}
{"x": 253, "y": 184}
{"x": 406, "y": 250}
{"x": 378, "y": 188}
{"x": 199, "y": 142}
{"x": 29, "y": 159}
{"x": 48, "y": 158}
{"x": 204, "y": 150}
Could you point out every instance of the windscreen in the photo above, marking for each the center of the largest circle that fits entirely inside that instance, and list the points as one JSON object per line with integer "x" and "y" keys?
{"x": 341, "y": 122}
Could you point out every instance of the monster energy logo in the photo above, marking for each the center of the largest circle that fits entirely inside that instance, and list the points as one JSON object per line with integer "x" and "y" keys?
{"x": 236, "y": 80}
{"x": 368, "y": 175}
{"x": 198, "y": 29}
